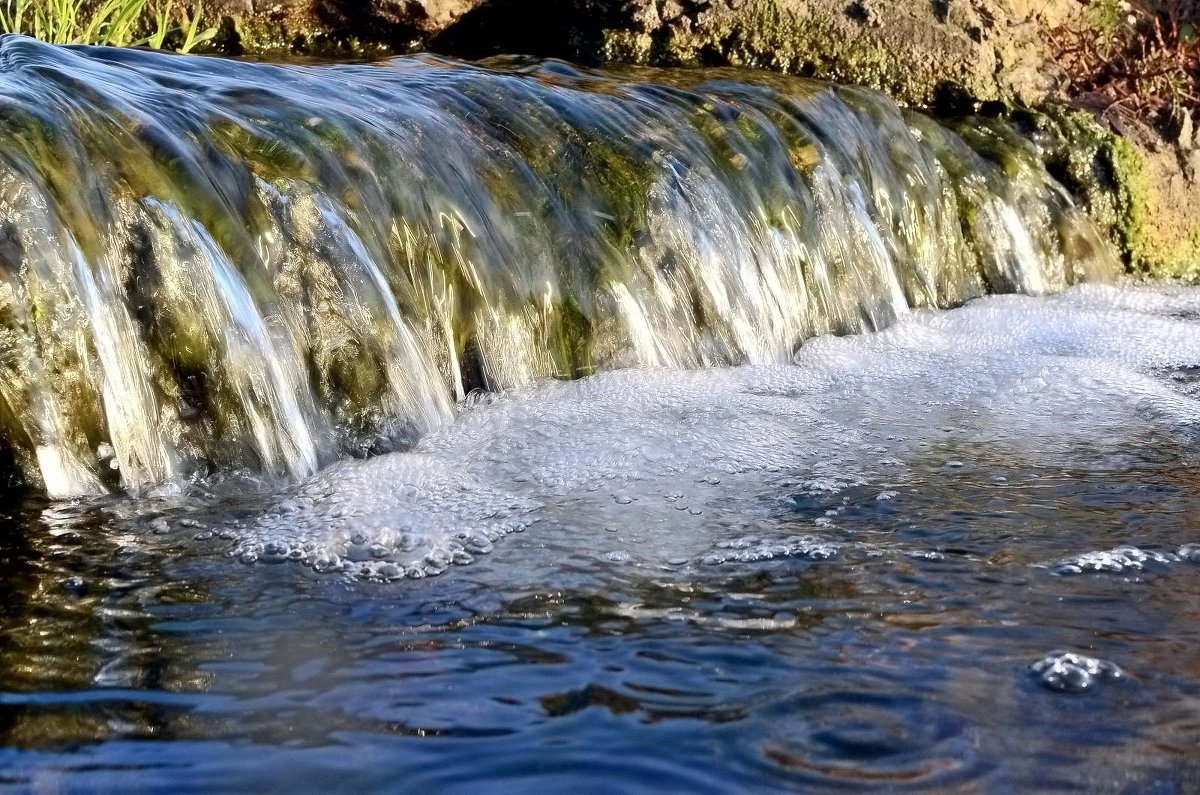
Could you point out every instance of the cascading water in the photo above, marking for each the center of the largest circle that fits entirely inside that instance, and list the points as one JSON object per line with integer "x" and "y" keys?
{"x": 958, "y": 553}
{"x": 208, "y": 264}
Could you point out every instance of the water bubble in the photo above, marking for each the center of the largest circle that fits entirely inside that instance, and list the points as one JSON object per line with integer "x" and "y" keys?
{"x": 273, "y": 553}
{"x": 479, "y": 546}
{"x": 1189, "y": 552}
{"x": 1068, "y": 672}
{"x": 390, "y": 571}
{"x": 358, "y": 553}
{"x": 323, "y": 564}
{"x": 75, "y": 586}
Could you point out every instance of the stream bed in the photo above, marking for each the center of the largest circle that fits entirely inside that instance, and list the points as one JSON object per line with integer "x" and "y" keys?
{"x": 960, "y": 554}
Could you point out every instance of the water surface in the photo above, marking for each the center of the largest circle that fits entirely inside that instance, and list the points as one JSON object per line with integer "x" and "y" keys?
{"x": 837, "y": 574}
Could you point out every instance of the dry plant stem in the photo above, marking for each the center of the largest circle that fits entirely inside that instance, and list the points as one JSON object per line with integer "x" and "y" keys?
{"x": 1142, "y": 57}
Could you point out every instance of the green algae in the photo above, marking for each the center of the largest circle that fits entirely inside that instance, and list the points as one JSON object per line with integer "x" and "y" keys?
{"x": 1111, "y": 179}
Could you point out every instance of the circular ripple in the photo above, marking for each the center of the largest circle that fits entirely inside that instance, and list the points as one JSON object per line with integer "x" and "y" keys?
{"x": 876, "y": 740}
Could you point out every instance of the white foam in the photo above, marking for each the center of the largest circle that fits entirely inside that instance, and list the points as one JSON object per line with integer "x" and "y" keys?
{"x": 680, "y": 461}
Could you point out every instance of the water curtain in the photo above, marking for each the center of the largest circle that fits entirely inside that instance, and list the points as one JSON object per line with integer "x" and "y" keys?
{"x": 208, "y": 264}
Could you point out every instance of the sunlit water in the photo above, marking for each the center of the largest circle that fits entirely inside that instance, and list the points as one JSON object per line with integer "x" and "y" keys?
{"x": 865, "y": 570}
{"x": 208, "y": 265}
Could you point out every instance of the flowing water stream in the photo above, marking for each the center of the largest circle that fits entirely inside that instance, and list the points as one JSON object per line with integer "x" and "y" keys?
{"x": 428, "y": 427}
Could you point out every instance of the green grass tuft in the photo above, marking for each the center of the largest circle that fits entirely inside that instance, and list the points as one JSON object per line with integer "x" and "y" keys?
{"x": 116, "y": 23}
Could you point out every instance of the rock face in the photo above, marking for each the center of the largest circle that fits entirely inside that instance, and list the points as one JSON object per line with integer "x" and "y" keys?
{"x": 919, "y": 51}
{"x": 269, "y": 26}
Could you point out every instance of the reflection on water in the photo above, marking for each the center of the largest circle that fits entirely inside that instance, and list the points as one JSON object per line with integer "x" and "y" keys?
{"x": 904, "y": 660}
{"x": 891, "y": 630}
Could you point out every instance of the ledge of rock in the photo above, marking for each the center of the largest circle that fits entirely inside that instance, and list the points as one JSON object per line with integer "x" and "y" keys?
{"x": 920, "y": 52}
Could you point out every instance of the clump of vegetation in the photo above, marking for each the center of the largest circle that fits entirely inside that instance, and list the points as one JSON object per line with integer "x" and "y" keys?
{"x": 118, "y": 23}
{"x": 1134, "y": 59}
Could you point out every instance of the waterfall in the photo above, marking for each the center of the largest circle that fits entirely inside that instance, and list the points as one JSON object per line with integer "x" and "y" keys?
{"x": 208, "y": 264}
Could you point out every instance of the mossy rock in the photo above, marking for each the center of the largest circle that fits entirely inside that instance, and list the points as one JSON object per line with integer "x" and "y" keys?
{"x": 1140, "y": 196}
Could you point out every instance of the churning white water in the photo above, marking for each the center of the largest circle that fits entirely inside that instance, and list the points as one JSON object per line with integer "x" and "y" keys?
{"x": 678, "y": 459}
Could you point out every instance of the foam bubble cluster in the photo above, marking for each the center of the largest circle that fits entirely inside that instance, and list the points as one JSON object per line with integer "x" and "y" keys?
{"x": 387, "y": 518}
{"x": 751, "y": 550}
{"x": 1116, "y": 561}
{"x": 703, "y": 465}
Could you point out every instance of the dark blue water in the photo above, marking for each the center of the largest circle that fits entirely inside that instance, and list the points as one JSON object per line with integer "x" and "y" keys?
{"x": 169, "y": 668}
{"x": 874, "y": 633}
